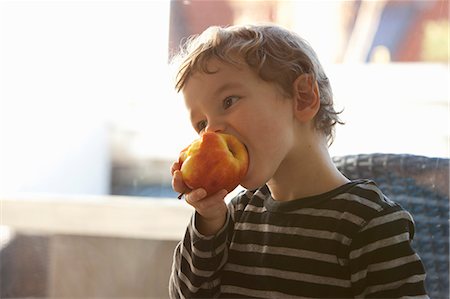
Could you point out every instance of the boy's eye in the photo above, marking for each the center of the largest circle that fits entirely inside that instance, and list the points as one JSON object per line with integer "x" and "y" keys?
{"x": 229, "y": 101}
{"x": 201, "y": 125}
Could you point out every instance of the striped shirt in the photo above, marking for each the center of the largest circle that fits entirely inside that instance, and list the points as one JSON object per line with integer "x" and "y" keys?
{"x": 351, "y": 242}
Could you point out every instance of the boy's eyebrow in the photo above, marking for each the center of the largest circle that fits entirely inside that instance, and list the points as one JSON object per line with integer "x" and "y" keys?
{"x": 226, "y": 86}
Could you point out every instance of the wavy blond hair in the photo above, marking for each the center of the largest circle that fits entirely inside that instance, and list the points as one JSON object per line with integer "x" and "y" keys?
{"x": 273, "y": 52}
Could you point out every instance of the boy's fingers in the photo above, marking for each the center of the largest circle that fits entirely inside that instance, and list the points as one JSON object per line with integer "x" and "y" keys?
{"x": 198, "y": 198}
{"x": 210, "y": 207}
{"x": 175, "y": 166}
{"x": 195, "y": 195}
{"x": 178, "y": 184}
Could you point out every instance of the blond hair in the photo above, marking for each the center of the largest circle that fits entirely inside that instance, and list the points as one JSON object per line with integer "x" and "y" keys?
{"x": 274, "y": 53}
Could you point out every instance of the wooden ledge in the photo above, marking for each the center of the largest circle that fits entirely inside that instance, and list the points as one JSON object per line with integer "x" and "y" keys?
{"x": 115, "y": 216}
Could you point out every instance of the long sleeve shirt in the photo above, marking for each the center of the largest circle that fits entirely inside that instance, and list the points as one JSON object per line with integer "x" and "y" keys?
{"x": 351, "y": 242}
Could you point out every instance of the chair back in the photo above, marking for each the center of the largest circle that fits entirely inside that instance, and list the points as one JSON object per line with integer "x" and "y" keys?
{"x": 421, "y": 186}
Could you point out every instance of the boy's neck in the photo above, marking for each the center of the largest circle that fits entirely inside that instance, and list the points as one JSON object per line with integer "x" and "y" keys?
{"x": 306, "y": 173}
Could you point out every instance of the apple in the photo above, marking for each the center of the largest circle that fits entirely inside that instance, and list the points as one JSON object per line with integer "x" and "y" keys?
{"x": 214, "y": 162}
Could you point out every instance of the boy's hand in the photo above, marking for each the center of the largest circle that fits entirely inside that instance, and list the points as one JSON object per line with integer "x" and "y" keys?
{"x": 211, "y": 210}
{"x": 177, "y": 180}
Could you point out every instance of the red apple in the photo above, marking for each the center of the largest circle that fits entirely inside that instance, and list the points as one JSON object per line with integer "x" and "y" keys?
{"x": 214, "y": 162}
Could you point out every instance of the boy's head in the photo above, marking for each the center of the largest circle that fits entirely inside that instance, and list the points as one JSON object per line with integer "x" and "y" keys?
{"x": 275, "y": 54}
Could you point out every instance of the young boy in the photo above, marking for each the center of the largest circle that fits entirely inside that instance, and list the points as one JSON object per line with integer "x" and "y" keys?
{"x": 301, "y": 229}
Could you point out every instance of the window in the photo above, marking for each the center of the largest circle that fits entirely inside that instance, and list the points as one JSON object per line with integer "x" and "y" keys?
{"x": 87, "y": 108}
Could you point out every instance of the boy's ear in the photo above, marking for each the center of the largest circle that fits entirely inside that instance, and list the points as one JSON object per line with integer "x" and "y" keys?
{"x": 306, "y": 97}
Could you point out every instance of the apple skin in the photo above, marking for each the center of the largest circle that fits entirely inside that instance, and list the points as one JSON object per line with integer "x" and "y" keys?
{"x": 214, "y": 162}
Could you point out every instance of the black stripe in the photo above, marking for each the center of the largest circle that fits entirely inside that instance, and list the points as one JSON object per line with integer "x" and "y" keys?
{"x": 206, "y": 264}
{"x": 382, "y": 255}
{"x": 390, "y": 275}
{"x": 282, "y": 285}
{"x": 315, "y": 200}
{"x": 290, "y": 241}
{"x": 383, "y": 231}
{"x": 205, "y": 245}
{"x": 397, "y": 273}
{"x": 287, "y": 263}
{"x": 370, "y": 195}
{"x": 202, "y": 293}
{"x": 315, "y": 222}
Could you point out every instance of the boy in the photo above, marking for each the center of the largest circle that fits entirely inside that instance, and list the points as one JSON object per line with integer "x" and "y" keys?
{"x": 301, "y": 229}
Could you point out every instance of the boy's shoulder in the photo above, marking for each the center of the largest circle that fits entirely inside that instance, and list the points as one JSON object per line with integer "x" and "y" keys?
{"x": 362, "y": 198}
{"x": 366, "y": 200}
{"x": 367, "y": 194}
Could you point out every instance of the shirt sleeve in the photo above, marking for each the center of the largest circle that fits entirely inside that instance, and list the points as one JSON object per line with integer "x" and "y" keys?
{"x": 382, "y": 262}
{"x": 197, "y": 263}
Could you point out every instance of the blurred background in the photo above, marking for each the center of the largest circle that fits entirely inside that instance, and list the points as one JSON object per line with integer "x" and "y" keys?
{"x": 87, "y": 104}
{"x": 90, "y": 124}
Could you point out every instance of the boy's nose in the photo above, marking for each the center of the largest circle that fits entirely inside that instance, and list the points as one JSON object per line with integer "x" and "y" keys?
{"x": 215, "y": 126}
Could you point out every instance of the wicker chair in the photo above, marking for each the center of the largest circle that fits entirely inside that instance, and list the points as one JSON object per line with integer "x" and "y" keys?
{"x": 421, "y": 186}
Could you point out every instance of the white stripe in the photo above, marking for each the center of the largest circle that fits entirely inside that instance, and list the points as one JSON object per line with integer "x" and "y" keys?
{"x": 311, "y": 212}
{"x": 251, "y": 208}
{"x": 377, "y": 190}
{"x": 392, "y": 285}
{"x": 371, "y": 187}
{"x": 285, "y": 251}
{"x": 362, "y": 200}
{"x": 198, "y": 252}
{"x": 208, "y": 254}
{"x": 211, "y": 284}
{"x": 178, "y": 276}
{"x": 331, "y": 214}
{"x": 388, "y": 218}
{"x": 359, "y": 275}
{"x": 198, "y": 272}
{"x": 174, "y": 282}
{"x": 257, "y": 293}
{"x": 305, "y": 277}
{"x": 207, "y": 285}
{"x": 384, "y": 266}
{"x": 255, "y": 209}
{"x": 395, "y": 263}
{"x": 379, "y": 244}
{"x": 268, "y": 228}
{"x": 187, "y": 282}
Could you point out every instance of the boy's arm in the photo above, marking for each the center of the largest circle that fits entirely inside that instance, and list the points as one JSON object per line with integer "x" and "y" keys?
{"x": 198, "y": 261}
{"x": 382, "y": 262}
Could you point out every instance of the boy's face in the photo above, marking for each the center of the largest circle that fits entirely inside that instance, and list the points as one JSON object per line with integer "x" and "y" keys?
{"x": 236, "y": 101}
